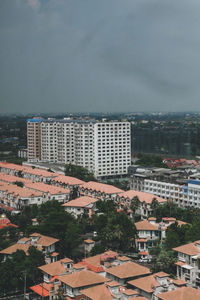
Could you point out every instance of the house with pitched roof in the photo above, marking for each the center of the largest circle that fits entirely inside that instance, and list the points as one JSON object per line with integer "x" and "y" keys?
{"x": 81, "y": 206}
{"x": 44, "y": 243}
{"x": 127, "y": 271}
{"x": 145, "y": 200}
{"x": 147, "y": 233}
{"x": 73, "y": 284}
{"x": 99, "y": 190}
{"x": 154, "y": 284}
{"x": 188, "y": 264}
{"x": 184, "y": 293}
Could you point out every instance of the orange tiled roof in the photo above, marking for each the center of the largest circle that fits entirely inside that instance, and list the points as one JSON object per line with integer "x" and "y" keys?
{"x": 189, "y": 249}
{"x": 123, "y": 258}
{"x": 101, "y": 187}
{"x": 93, "y": 263}
{"x": 183, "y": 293}
{"x": 146, "y": 225}
{"x": 46, "y": 188}
{"x": 146, "y": 284}
{"x": 82, "y": 278}
{"x": 88, "y": 241}
{"x": 129, "y": 269}
{"x": 14, "y": 248}
{"x": 44, "y": 240}
{"x": 142, "y": 196}
{"x": 179, "y": 282}
{"x": 80, "y": 202}
{"x": 55, "y": 268}
{"x": 130, "y": 292}
{"x": 18, "y": 191}
{"x": 42, "y": 289}
{"x": 68, "y": 180}
{"x": 180, "y": 263}
{"x": 113, "y": 283}
{"x": 99, "y": 292}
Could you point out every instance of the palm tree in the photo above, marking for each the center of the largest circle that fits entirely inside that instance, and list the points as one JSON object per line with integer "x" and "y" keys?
{"x": 135, "y": 202}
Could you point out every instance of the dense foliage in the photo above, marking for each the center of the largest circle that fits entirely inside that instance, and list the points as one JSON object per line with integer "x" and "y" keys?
{"x": 79, "y": 172}
{"x": 17, "y": 267}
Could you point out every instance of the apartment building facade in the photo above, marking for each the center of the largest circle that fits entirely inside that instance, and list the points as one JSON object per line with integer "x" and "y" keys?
{"x": 104, "y": 148}
{"x": 33, "y": 139}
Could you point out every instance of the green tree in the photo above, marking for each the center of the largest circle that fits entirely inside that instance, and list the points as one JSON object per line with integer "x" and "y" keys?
{"x": 79, "y": 172}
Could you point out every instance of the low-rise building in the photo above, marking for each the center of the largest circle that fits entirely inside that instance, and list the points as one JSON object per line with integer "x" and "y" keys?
{"x": 99, "y": 190}
{"x": 188, "y": 264}
{"x": 152, "y": 285}
{"x": 81, "y": 206}
{"x": 127, "y": 271}
{"x": 73, "y": 284}
{"x": 145, "y": 199}
{"x": 44, "y": 243}
{"x": 184, "y": 293}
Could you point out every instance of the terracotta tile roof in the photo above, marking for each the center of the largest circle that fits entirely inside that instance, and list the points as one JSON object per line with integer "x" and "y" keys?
{"x": 46, "y": 188}
{"x": 129, "y": 269}
{"x": 44, "y": 240}
{"x": 142, "y": 196}
{"x": 42, "y": 289}
{"x": 6, "y": 207}
{"x": 94, "y": 263}
{"x": 11, "y": 166}
{"x": 180, "y": 223}
{"x": 18, "y": 191}
{"x": 130, "y": 292}
{"x": 68, "y": 180}
{"x": 142, "y": 240}
{"x": 78, "y": 266}
{"x": 54, "y": 254}
{"x": 80, "y": 202}
{"x": 123, "y": 258}
{"x": 143, "y": 253}
{"x": 12, "y": 178}
{"x": 152, "y": 219}
{"x": 39, "y": 172}
{"x": 180, "y": 263}
{"x": 113, "y": 283}
{"x": 82, "y": 278}
{"x": 5, "y": 222}
{"x": 14, "y": 248}
{"x": 88, "y": 241}
{"x": 137, "y": 298}
{"x": 183, "y": 293}
{"x": 101, "y": 187}
{"x": 24, "y": 239}
{"x": 147, "y": 284}
{"x": 98, "y": 292}
{"x": 189, "y": 249}
{"x": 146, "y": 225}
{"x": 179, "y": 282}
{"x": 55, "y": 268}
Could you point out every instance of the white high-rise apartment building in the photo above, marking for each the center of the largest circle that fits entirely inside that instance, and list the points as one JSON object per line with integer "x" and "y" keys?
{"x": 104, "y": 148}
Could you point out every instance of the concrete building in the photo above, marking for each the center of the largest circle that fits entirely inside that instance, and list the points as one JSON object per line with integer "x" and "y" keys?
{"x": 33, "y": 139}
{"x": 104, "y": 148}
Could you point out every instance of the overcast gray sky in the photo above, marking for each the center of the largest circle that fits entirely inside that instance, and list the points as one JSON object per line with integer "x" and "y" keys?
{"x": 99, "y": 55}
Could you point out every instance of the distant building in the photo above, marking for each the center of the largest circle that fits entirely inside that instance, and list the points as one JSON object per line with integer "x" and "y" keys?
{"x": 104, "y": 148}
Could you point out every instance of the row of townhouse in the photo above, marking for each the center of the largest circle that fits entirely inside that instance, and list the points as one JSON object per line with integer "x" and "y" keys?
{"x": 109, "y": 276}
{"x": 66, "y": 184}
{"x": 14, "y": 197}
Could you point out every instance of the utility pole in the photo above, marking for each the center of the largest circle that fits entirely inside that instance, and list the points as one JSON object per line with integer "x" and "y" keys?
{"x": 24, "y": 285}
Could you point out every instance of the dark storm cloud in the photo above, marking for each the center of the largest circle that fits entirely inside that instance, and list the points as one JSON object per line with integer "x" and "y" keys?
{"x": 108, "y": 55}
